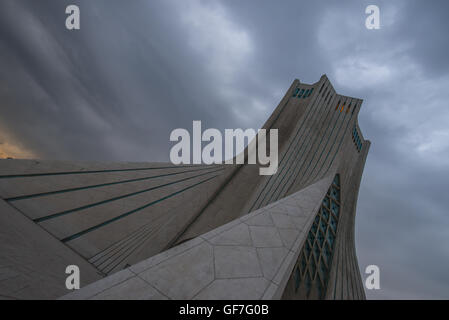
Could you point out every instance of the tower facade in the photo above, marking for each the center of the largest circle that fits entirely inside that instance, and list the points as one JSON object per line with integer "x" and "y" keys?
{"x": 211, "y": 232}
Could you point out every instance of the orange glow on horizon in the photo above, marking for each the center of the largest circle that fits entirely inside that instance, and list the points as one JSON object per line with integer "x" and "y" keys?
{"x": 8, "y": 150}
{"x": 11, "y": 149}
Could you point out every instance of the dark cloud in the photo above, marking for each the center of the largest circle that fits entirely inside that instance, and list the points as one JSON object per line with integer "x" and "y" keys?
{"x": 138, "y": 69}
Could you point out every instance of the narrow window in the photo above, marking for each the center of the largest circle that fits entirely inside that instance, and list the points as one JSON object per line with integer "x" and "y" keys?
{"x": 296, "y": 92}
{"x": 338, "y": 104}
{"x": 349, "y": 108}
{"x": 297, "y": 279}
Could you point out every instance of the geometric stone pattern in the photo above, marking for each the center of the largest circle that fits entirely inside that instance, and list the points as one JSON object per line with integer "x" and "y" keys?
{"x": 311, "y": 272}
{"x": 248, "y": 258}
{"x": 158, "y": 230}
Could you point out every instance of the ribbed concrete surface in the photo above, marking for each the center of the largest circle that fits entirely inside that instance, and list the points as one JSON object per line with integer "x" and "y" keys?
{"x": 113, "y": 215}
{"x": 248, "y": 258}
{"x": 108, "y": 213}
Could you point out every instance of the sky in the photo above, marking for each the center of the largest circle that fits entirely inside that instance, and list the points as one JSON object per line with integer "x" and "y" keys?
{"x": 136, "y": 70}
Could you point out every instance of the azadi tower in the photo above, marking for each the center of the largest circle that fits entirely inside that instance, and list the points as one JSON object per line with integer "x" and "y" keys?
{"x": 160, "y": 231}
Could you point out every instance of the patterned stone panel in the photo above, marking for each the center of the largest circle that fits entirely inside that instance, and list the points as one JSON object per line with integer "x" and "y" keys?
{"x": 249, "y": 258}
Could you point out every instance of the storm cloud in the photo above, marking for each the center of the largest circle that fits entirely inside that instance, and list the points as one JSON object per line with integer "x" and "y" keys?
{"x": 136, "y": 70}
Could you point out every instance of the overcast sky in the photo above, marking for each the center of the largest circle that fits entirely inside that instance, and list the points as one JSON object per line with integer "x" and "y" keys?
{"x": 136, "y": 70}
